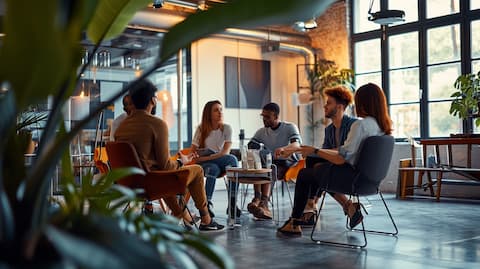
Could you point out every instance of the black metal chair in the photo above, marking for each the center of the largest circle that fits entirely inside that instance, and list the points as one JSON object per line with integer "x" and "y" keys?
{"x": 371, "y": 168}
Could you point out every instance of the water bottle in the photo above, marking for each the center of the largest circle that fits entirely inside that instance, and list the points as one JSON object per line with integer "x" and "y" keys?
{"x": 244, "y": 156}
{"x": 257, "y": 159}
{"x": 241, "y": 137}
{"x": 268, "y": 160}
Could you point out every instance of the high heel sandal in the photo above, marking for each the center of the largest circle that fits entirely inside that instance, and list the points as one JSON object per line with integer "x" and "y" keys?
{"x": 308, "y": 219}
{"x": 357, "y": 216}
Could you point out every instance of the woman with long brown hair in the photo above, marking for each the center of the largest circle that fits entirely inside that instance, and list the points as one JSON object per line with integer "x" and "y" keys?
{"x": 371, "y": 108}
{"x": 212, "y": 141}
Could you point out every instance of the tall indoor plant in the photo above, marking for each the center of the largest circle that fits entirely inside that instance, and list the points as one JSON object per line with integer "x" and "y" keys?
{"x": 39, "y": 57}
{"x": 466, "y": 102}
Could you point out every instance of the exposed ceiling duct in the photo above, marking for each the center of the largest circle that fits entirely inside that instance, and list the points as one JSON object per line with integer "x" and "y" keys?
{"x": 161, "y": 22}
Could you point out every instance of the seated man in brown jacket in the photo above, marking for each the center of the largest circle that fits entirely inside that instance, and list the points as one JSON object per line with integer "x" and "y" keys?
{"x": 149, "y": 135}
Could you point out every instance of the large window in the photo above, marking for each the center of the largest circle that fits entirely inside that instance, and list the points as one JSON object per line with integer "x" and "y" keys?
{"x": 475, "y": 33}
{"x": 119, "y": 62}
{"x": 443, "y": 66}
{"x": 368, "y": 66}
{"x": 361, "y": 16}
{"x": 417, "y": 62}
{"x": 437, "y": 8}
{"x": 404, "y": 81}
{"x": 409, "y": 6}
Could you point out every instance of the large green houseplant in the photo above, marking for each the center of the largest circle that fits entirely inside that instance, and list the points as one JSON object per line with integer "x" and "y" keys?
{"x": 466, "y": 102}
{"x": 39, "y": 57}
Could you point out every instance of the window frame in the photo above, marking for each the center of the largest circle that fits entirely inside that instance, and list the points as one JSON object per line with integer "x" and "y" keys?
{"x": 464, "y": 18}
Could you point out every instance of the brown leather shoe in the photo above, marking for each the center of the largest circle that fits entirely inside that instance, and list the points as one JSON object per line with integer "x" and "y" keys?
{"x": 252, "y": 206}
{"x": 291, "y": 228}
{"x": 262, "y": 211}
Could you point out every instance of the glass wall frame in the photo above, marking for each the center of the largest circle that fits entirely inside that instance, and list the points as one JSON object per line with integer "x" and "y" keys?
{"x": 462, "y": 15}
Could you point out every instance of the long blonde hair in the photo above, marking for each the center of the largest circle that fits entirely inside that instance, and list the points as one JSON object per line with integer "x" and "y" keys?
{"x": 206, "y": 126}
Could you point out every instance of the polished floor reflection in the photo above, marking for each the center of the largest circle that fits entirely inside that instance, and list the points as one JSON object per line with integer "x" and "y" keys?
{"x": 431, "y": 235}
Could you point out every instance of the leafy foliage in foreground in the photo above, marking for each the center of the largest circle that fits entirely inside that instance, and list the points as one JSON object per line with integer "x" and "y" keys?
{"x": 39, "y": 57}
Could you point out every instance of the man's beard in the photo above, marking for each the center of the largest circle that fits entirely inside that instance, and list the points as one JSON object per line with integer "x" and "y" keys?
{"x": 331, "y": 114}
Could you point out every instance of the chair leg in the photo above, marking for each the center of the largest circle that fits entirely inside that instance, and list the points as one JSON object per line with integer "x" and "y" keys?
{"x": 391, "y": 219}
{"x": 164, "y": 206}
{"x": 333, "y": 243}
{"x": 289, "y": 194}
{"x": 183, "y": 204}
{"x": 244, "y": 195}
{"x": 362, "y": 230}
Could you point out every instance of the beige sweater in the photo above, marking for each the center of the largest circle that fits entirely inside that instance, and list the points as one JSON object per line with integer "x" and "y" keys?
{"x": 149, "y": 136}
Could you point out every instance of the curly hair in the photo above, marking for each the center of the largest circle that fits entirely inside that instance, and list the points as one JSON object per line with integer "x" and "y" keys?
{"x": 341, "y": 94}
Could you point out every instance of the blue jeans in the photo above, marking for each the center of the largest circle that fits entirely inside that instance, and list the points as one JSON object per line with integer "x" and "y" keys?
{"x": 214, "y": 168}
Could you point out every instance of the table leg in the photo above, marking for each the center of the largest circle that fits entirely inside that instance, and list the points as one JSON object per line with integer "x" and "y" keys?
{"x": 232, "y": 199}
{"x": 430, "y": 183}
{"x": 439, "y": 185}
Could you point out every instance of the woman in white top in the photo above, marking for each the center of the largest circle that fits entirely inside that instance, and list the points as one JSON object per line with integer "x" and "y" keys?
{"x": 214, "y": 138}
{"x": 371, "y": 108}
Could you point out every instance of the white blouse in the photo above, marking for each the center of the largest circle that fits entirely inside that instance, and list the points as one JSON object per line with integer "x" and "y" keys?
{"x": 360, "y": 130}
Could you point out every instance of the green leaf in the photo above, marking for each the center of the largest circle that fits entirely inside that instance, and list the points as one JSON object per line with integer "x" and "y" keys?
{"x": 8, "y": 111}
{"x": 7, "y": 229}
{"x": 211, "y": 251}
{"x": 111, "y": 18}
{"x": 116, "y": 174}
{"x": 29, "y": 68}
{"x": 244, "y": 13}
{"x": 90, "y": 7}
{"x": 83, "y": 252}
{"x": 97, "y": 242}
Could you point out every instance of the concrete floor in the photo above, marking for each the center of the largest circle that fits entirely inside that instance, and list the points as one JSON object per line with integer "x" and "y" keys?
{"x": 431, "y": 235}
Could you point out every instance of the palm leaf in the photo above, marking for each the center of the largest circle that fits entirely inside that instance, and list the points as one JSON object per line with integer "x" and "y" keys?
{"x": 111, "y": 17}
{"x": 29, "y": 69}
{"x": 97, "y": 242}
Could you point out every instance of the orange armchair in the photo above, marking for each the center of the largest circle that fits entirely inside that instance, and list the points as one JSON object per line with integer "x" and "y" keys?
{"x": 100, "y": 158}
{"x": 156, "y": 184}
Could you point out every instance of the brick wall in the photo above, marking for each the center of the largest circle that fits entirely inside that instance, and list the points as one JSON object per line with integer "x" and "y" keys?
{"x": 331, "y": 37}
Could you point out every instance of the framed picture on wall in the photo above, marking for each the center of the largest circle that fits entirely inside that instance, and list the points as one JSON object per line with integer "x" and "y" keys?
{"x": 247, "y": 83}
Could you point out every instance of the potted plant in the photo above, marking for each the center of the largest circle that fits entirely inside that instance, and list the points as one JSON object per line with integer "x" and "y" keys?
{"x": 325, "y": 74}
{"x": 466, "y": 102}
{"x": 40, "y": 59}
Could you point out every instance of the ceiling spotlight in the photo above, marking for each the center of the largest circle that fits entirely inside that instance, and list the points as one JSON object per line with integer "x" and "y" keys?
{"x": 202, "y": 5}
{"x": 310, "y": 24}
{"x": 304, "y": 26}
{"x": 158, "y": 3}
{"x": 386, "y": 17}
